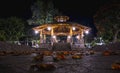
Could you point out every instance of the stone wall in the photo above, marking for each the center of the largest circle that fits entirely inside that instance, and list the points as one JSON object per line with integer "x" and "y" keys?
{"x": 61, "y": 46}
{"x": 4, "y": 46}
{"x": 110, "y": 46}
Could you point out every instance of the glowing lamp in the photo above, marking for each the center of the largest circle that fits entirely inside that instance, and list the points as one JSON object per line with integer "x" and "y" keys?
{"x": 77, "y": 37}
{"x": 73, "y": 28}
{"x": 54, "y": 36}
{"x": 69, "y": 37}
{"x": 82, "y": 35}
{"x": 36, "y": 32}
{"x": 49, "y": 28}
{"x": 86, "y": 31}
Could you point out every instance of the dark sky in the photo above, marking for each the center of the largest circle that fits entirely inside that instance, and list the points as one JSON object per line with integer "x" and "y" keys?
{"x": 75, "y": 8}
{"x": 79, "y": 7}
{"x": 19, "y": 8}
{"x": 80, "y": 11}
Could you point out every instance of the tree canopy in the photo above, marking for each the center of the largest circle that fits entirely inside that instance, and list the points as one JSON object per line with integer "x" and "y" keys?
{"x": 43, "y": 12}
{"x": 107, "y": 21}
{"x": 11, "y": 29}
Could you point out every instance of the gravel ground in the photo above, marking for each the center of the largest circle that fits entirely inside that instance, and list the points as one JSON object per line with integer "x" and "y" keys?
{"x": 88, "y": 64}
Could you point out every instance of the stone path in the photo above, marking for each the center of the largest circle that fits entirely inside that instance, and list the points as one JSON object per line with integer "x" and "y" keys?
{"x": 88, "y": 64}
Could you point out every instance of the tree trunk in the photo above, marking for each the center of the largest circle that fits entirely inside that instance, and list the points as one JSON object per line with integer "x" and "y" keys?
{"x": 115, "y": 36}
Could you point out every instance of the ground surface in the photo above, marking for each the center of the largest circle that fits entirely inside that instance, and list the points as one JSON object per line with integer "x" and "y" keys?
{"x": 88, "y": 64}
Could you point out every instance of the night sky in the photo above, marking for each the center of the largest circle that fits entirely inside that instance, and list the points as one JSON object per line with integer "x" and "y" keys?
{"x": 80, "y": 11}
{"x": 73, "y": 8}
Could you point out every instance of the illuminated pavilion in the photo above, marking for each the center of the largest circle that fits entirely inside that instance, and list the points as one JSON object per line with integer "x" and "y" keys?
{"x": 62, "y": 28}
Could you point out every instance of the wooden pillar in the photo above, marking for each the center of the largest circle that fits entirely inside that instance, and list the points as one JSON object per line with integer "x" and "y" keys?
{"x": 44, "y": 37}
{"x": 78, "y": 38}
{"x": 69, "y": 37}
{"x": 82, "y": 39}
{"x": 52, "y": 34}
{"x": 82, "y": 34}
{"x": 41, "y": 37}
{"x": 71, "y": 32}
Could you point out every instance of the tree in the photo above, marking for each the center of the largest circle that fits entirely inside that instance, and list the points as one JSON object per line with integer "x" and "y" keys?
{"x": 107, "y": 21}
{"x": 2, "y": 32}
{"x": 12, "y": 29}
{"x": 43, "y": 12}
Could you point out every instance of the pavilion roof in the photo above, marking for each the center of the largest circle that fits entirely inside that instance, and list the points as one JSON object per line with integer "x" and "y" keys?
{"x": 62, "y": 27}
